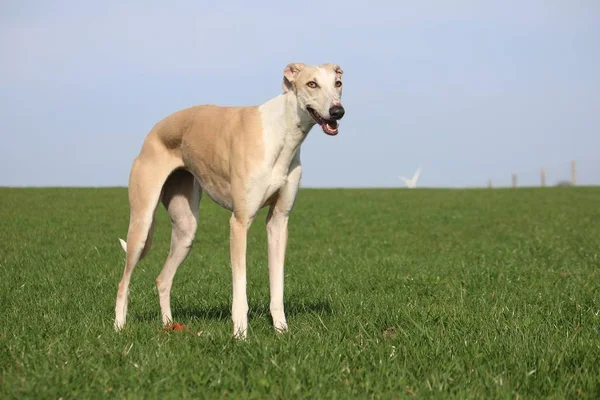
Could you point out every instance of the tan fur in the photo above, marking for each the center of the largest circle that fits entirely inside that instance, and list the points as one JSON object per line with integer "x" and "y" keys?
{"x": 244, "y": 158}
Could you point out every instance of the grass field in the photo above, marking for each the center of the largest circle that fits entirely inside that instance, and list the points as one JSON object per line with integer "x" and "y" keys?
{"x": 389, "y": 294}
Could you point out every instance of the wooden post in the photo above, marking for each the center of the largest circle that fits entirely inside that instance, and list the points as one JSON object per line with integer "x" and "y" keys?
{"x": 514, "y": 180}
{"x": 573, "y": 173}
{"x": 543, "y": 177}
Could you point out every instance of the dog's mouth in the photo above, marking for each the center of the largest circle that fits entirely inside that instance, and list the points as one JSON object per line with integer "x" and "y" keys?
{"x": 330, "y": 127}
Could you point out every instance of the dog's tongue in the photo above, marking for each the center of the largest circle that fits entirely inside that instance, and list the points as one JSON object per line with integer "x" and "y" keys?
{"x": 330, "y": 127}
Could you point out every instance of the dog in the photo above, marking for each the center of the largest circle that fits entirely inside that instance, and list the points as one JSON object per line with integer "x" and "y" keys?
{"x": 243, "y": 158}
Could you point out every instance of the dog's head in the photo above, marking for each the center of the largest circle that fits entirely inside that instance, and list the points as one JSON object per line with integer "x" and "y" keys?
{"x": 318, "y": 90}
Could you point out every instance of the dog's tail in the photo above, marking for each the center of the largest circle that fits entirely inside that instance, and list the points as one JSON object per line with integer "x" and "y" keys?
{"x": 123, "y": 245}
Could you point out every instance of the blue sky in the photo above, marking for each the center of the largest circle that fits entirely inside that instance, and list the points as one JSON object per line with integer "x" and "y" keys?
{"x": 470, "y": 90}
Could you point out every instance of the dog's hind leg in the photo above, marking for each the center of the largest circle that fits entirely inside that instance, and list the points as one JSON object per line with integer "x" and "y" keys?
{"x": 181, "y": 197}
{"x": 146, "y": 180}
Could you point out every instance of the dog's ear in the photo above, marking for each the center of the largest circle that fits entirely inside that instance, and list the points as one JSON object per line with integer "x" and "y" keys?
{"x": 336, "y": 68}
{"x": 289, "y": 75}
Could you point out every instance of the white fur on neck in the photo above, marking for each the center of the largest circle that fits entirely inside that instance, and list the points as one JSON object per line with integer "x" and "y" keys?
{"x": 285, "y": 126}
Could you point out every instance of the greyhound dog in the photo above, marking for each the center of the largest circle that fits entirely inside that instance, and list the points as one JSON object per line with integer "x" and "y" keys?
{"x": 244, "y": 158}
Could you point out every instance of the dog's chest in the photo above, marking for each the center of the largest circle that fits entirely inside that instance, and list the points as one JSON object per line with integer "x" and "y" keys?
{"x": 276, "y": 173}
{"x": 281, "y": 155}
{"x": 277, "y": 180}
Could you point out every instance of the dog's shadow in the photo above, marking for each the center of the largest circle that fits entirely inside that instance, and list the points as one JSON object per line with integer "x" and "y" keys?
{"x": 223, "y": 311}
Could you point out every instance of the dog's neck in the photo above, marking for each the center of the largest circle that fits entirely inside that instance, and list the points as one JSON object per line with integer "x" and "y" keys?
{"x": 287, "y": 116}
{"x": 285, "y": 126}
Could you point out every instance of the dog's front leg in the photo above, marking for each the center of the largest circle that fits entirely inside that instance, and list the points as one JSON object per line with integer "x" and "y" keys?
{"x": 239, "y": 310}
{"x": 277, "y": 234}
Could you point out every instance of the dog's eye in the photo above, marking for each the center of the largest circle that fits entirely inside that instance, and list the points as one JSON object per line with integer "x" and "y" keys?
{"x": 338, "y": 83}
{"x": 312, "y": 84}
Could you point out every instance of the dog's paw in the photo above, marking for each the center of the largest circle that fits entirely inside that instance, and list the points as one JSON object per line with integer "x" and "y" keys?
{"x": 119, "y": 325}
{"x": 281, "y": 327}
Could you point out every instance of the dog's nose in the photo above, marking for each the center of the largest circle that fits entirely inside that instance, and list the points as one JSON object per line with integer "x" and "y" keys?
{"x": 337, "y": 112}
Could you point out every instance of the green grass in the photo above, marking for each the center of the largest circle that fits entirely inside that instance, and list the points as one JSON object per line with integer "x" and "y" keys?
{"x": 389, "y": 294}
